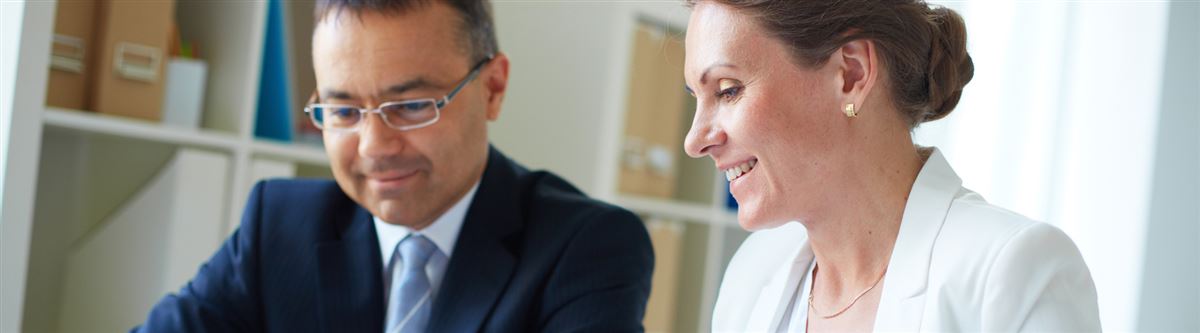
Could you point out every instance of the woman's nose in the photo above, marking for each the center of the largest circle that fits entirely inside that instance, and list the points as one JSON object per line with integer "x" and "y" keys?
{"x": 704, "y": 135}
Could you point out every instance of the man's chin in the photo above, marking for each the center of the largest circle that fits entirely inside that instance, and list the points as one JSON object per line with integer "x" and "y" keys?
{"x": 390, "y": 211}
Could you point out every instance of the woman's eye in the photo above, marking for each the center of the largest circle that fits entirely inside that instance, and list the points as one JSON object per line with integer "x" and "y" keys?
{"x": 729, "y": 89}
{"x": 729, "y": 94}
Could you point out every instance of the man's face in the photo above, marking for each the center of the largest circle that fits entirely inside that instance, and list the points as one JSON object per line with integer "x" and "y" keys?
{"x": 369, "y": 58}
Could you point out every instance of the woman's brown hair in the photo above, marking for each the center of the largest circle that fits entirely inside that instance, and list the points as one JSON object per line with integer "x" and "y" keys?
{"x": 924, "y": 48}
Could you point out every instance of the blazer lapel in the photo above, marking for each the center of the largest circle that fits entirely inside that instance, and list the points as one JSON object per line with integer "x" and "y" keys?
{"x": 775, "y": 298}
{"x": 901, "y": 307}
{"x": 484, "y": 256}
{"x": 350, "y": 276}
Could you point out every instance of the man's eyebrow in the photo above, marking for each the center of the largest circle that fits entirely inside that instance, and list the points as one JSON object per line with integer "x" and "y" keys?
{"x": 406, "y": 86}
{"x": 334, "y": 94}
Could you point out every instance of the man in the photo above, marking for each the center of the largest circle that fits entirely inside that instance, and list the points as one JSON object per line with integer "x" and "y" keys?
{"x": 427, "y": 228}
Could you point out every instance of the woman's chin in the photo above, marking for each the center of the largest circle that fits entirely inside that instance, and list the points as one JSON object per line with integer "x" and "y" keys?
{"x": 751, "y": 219}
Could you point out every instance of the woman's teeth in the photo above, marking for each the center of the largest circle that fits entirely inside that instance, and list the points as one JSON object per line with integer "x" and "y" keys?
{"x": 738, "y": 171}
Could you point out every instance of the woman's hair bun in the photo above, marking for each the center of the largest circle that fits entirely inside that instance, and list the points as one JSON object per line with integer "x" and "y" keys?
{"x": 950, "y": 67}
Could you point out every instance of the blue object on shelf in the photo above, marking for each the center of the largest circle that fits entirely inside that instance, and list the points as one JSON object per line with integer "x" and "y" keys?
{"x": 274, "y": 118}
{"x": 730, "y": 202}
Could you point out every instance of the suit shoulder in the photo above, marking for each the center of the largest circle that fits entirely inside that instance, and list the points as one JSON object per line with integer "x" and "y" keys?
{"x": 979, "y": 240}
{"x": 553, "y": 198}
{"x": 289, "y": 203}
{"x": 975, "y": 223}
{"x": 297, "y": 188}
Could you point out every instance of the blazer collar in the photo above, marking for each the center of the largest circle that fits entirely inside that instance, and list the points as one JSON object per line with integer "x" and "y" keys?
{"x": 351, "y": 296}
{"x": 776, "y": 296}
{"x": 902, "y": 302}
{"x": 485, "y": 254}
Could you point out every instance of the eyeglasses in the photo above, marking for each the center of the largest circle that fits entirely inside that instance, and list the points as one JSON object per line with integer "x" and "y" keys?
{"x": 403, "y": 115}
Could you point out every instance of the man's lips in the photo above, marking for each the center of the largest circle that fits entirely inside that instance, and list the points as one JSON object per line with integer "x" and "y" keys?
{"x": 394, "y": 178}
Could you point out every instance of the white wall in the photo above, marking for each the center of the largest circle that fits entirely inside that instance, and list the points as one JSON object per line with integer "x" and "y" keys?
{"x": 1170, "y": 299}
{"x": 557, "y": 85}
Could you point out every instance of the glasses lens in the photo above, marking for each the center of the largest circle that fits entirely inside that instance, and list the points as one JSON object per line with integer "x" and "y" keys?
{"x": 335, "y": 116}
{"x": 409, "y": 113}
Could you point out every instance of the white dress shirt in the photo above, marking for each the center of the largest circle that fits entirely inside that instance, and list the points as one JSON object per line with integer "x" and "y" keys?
{"x": 443, "y": 232}
{"x": 959, "y": 264}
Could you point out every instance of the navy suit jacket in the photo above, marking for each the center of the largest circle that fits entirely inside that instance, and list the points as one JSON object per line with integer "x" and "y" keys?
{"x": 534, "y": 254}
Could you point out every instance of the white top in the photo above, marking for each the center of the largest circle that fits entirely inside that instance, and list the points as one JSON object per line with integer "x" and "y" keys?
{"x": 443, "y": 233}
{"x": 959, "y": 264}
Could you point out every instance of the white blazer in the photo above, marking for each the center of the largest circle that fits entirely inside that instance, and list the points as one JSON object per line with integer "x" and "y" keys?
{"x": 959, "y": 264}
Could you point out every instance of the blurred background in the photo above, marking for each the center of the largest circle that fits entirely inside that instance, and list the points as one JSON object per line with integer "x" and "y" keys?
{"x": 133, "y": 130}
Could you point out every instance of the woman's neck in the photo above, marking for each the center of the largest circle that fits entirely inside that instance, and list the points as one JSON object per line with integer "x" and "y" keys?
{"x": 854, "y": 238}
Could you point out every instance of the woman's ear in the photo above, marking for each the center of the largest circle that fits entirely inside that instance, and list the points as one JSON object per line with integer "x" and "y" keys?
{"x": 858, "y": 66}
{"x": 495, "y": 81}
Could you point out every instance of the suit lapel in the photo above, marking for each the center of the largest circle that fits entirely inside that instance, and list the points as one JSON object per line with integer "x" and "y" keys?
{"x": 484, "y": 256}
{"x": 902, "y": 304}
{"x": 349, "y": 275}
{"x": 775, "y": 298}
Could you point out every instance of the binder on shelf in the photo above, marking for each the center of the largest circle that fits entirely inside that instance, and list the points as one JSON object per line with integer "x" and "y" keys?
{"x": 71, "y": 53}
{"x": 131, "y": 57}
{"x": 730, "y": 201}
{"x": 667, "y": 239}
{"x": 273, "y": 120}
{"x": 653, "y": 132}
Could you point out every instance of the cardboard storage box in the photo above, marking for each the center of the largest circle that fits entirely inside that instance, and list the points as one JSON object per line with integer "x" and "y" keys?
{"x": 71, "y": 52}
{"x": 131, "y": 57}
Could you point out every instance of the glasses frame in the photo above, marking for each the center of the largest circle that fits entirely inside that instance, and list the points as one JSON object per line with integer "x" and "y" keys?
{"x": 438, "y": 105}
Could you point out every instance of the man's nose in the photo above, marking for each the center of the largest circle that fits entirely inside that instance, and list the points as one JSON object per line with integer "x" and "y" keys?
{"x": 376, "y": 139}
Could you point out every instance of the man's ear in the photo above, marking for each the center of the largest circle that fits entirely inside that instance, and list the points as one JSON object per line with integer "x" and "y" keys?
{"x": 495, "y": 83}
{"x": 858, "y": 69}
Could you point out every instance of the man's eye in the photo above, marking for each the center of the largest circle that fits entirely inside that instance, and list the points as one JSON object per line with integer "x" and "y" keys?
{"x": 417, "y": 106}
{"x": 342, "y": 112}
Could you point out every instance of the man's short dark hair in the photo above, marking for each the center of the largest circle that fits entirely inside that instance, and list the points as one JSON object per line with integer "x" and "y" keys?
{"x": 479, "y": 36}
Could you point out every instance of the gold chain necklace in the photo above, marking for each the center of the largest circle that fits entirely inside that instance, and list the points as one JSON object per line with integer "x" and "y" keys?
{"x": 843, "y": 310}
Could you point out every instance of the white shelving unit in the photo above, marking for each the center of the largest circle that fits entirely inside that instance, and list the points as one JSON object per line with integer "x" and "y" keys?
{"x": 49, "y": 216}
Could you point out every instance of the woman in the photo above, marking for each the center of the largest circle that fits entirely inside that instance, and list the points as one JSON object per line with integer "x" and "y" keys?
{"x": 809, "y": 106}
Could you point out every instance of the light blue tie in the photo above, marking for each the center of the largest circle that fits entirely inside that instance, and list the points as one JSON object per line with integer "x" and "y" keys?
{"x": 409, "y": 296}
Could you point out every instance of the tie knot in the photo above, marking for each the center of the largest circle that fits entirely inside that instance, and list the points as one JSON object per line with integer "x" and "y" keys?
{"x": 416, "y": 250}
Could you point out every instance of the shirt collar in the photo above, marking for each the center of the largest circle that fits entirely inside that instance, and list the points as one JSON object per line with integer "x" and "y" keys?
{"x": 443, "y": 232}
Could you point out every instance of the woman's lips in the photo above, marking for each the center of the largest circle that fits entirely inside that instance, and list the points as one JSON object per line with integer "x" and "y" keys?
{"x": 740, "y": 169}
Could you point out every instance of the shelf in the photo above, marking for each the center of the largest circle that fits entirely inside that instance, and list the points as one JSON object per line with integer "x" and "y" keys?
{"x": 91, "y": 122}
{"x": 677, "y": 210}
{"x": 291, "y": 152}
{"x": 138, "y": 129}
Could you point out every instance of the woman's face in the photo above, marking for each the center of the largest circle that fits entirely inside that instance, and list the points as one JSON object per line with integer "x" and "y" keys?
{"x": 759, "y": 110}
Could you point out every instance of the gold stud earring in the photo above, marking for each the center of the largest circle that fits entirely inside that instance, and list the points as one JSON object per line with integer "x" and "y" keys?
{"x": 850, "y": 113}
